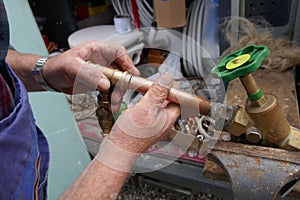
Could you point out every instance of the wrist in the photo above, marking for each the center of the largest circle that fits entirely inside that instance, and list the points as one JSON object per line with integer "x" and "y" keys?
{"x": 38, "y": 74}
{"x": 115, "y": 157}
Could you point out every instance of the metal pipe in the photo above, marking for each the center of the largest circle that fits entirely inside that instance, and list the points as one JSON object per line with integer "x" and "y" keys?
{"x": 251, "y": 88}
{"x": 249, "y": 84}
{"x": 136, "y": 83}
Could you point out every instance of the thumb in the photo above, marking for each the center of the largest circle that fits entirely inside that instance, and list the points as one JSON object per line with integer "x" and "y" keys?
{"x": 92, "y": 77}
{"x": 160, "y": 89}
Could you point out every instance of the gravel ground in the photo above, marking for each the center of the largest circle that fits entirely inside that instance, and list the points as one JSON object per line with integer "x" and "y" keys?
{"x": 138, "y": 188}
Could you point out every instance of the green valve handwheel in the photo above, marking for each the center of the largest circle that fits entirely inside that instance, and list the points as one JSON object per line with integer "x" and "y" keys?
{"x": 241, "y": 63}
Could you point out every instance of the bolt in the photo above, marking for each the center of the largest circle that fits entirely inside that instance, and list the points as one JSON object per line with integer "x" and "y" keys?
{"x": 253, "y": 135}
{"x": 192, "y": 153}
{"x": 226, "y": 136}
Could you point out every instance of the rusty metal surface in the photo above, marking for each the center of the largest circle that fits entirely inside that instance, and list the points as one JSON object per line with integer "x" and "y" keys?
{"x": 256, "y": 172}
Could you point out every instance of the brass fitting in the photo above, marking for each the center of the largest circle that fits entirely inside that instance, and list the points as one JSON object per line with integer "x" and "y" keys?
{"x": 103, "y": 113}
{"x": 294, "y": 139}
{"x": 240, "y": 123}
{"x": 136, "y": 83}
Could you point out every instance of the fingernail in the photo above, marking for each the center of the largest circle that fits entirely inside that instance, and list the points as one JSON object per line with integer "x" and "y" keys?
{"x": 166, "y": 80}
{"x": 103, "y": 84}
{"x": 134, "y": 71}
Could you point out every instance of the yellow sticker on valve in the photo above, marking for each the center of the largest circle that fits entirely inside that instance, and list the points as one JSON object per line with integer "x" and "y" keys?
{"x": 238, "y": 61}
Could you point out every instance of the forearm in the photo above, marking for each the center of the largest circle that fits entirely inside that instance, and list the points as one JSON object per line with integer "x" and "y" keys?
{"x": 22, "y": 65}
{"x": 105, "y": 175}
{"x": 96, "y": 182}
{"x": 133, "y": 133}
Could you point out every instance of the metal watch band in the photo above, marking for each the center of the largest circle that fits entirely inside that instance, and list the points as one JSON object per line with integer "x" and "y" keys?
{"x": 37, "y": 73}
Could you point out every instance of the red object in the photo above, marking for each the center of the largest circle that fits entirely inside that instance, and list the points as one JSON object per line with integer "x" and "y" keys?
{"x": 82, "y": 12}
{"x": 46, "y": 41}
{"x": 135, "y": 14}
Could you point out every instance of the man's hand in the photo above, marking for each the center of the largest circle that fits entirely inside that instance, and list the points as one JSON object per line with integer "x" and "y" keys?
{"x": 139, "y": 127}
{"x": 134, "y": 132}
{"x": 69, "y": 73}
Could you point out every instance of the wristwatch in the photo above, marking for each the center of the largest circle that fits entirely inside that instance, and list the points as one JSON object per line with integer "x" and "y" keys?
{"x": 37, "y": 74}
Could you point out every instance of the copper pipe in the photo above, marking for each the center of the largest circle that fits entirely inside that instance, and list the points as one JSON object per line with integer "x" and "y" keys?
{"x": 136, "y": 83}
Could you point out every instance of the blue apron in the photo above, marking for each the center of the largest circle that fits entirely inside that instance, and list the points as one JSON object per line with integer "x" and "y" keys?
{"x": 24, "y": 151}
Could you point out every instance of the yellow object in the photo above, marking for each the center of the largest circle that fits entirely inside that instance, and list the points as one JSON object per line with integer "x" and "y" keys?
{"x": 97, "y": 9}
{"x": 238, "y": 61}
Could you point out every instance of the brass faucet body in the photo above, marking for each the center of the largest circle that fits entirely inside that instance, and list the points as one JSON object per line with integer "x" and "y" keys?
{"x": 268, "y": 117}
{"x": 271, "y": 121}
